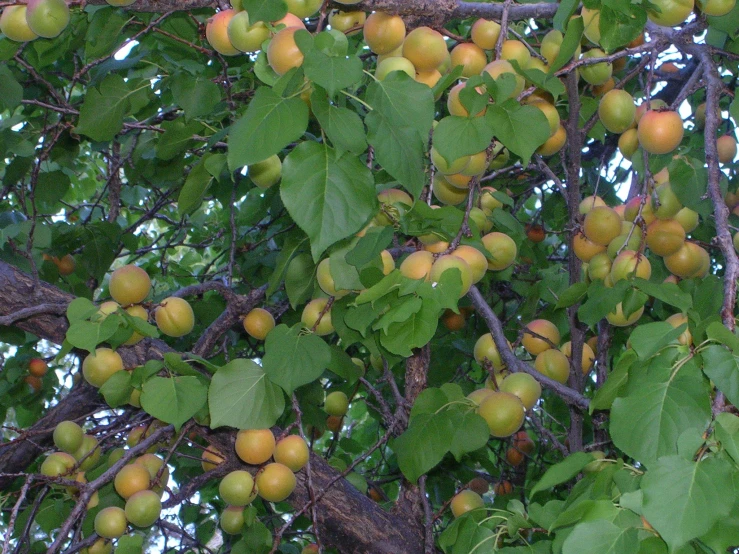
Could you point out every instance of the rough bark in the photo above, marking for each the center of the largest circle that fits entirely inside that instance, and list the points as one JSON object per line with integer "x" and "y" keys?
{"x": 348, "y": 520}
{"x": 435, "y": 10}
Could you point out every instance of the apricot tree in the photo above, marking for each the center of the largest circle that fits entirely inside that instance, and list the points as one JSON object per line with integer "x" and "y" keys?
{"x": 389, "y": 276}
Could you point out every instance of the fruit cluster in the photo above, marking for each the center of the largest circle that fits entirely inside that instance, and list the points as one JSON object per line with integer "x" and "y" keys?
{"x": 273, "y": 482}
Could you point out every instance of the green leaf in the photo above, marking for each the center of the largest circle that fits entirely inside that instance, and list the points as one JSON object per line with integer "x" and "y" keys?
{"x": 87, "y": 335}
{"x": 102, "y": 112}
{"x": 727, "y": 433}
{"x": 11, "y": 92}
{"x": 343, "y": 366}
{"x": 683, "y": 499}
{"x": 400, "y": 312}
{"x": 562, "y": 472}
{"x": 293, "y": 359}
{"x": 173, "y": 399}
{"x": 615, "y": 382}
{"x": 521, "y": 129}
{"x": 269, "y": 125}
{"x": 471, "y": 432}
{"x": 398, "y": 127}
{"x": 650, "y": 338}
{"x": 601, "y": 536}
{"x": 50, "y": 189}
{"x": 455, "y": 137}
{"x": 565, "y": 11}
{"x": 80, "y": 309}
{"x": 718, "y": 332}
{"x": 130, "y": 544}
{"x": 173, "y": 362}
{"x": 571, "y": 40}
{"x": 689, "y": 182}
{"x": 241, "y": 396}
{"x": 332, "y": 73}
{"x": 369, "y": 247}
{"x": 423, "y": 444}
{"x": 416, "y": 331}
{"x": 572, "y": 295}
{"x": 197, "y": 183}
{"x": 722, "y": 367}
{"x": 661, "y": 403}
{"x": 601, "y": 301}
{"x": 465, "y": 535}
{"x": 197, "y": 96}
{"x": 329, "y": 196}
{"x": 117, "y": 389}
{"x": 264, "y": 10}
{"x": 177, "y": 134}
{"x": 287, "y": 253}
{"x": 669, "y": 293}
{"x": 620, "y": 23}
{"x": 343, "y": 127}
{"x": 104, "y": 32}
{"x": 299, "y": 281}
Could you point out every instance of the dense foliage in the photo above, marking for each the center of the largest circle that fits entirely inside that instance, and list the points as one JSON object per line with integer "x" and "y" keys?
{"x": 477, "y": 258}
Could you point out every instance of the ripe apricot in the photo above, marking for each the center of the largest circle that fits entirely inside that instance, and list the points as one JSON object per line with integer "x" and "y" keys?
{"x": 131, "y": 479}
{"x": 588, "y": 356}
{"x": 255, "y": 446}
{"x": 37, "y": 367}
{"x": 258, "y": 323}
{"x": 602, "y": 224}
{"x": 283, "y": 53}
{"x": 503, "y": 412}
{"x": 501, "y": 250}
{"x": 660, "y": 132}
{"x": 470, "y": 56}
{"x": 425, "y": 48}
{"x": 466, "y": 501}
{"x": 292, "y": 451}
{"x": 211, "y": 458}
{"x": 129, "y": 285}
{"x": 98, "y": 367}
{"x": 174, "y": 316}
{"x": 544, "y": 328}
{"x": 524, "y": 386}
{"x": 275, "y": 482}
{"x": 553, "y": 364}
{"x": 311, "y": 313}
{"x": 484, "y": 33}
{"x": 383, "y": 33}
{"x": 216, "y": 32}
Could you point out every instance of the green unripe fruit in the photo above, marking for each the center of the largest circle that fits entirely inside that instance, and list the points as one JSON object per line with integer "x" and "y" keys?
{"x": 336, "y": 404}
{"x": 237, "y": 488}
{"x": 143, "y": 508}
{"x": 47, "y": 18}
{"x": 110, "y": 523}
{"x": 68, "y": 436}
{"x": 232, "y": 520}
